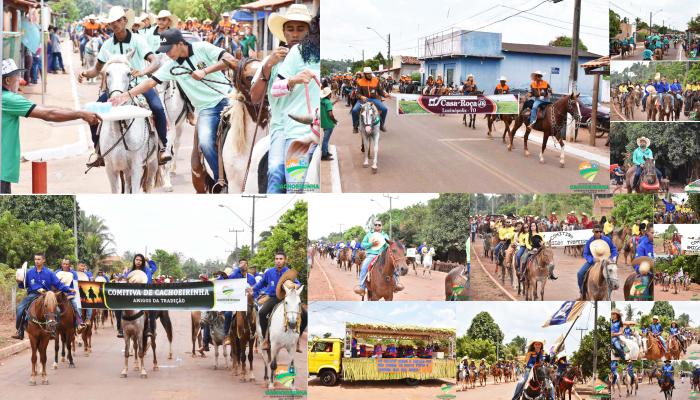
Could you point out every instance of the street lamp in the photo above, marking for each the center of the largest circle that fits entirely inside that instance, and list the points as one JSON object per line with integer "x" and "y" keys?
{"x": 650, "y": 15}
{"x": 387, "y": 41}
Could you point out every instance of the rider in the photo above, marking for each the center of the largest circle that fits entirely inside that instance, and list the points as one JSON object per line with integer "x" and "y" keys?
{"x": 630, "y": 371}
{"x": 469, "y": 85}
{"x": 657, "y": 330}
{"x": 610, "y": 252}
{"x": 674, "y": 330}
{"x": 429, "y": 84}
{"x": 38, "y": 280}
{"x": 677, "y": 90}
{"x": 139, "y": 262}
{"x": 369, "y": 90}
{"x": 648, "y": 90}
{"x": 505, "y": 235}
{"x": 616, "y": 332}
{"x": 647, "y": 54}
{"x": 639, "y": 156}
{"x": 668, "y": 372}
{"x": 628, "y": 330}
{"x": 613, "y": 371}
{"x": 534, "y": 355}
{"x": 645, "y": 253}
{"x": 562, "y": 365}
{"x": 90, "y": 29}
{"x": 268, "y": 286}
{"x": 74, "y": 301}
{"x": 663, "y": 87}
{"x": 122, "y": 42}
{"x": 540, "y": 93}
{"x": 238, "y": 273}
{"x": 373, "y": 251}
{"x": 533, "y": 244}
{"x": 521, "y": 237}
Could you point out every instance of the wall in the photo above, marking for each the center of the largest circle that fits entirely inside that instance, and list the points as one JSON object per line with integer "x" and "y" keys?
{"x": 517, "y": 67}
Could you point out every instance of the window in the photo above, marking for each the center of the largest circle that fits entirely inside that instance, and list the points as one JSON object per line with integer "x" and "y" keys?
{"x": 320, "y": 347}
{"x": 449, "y": 76}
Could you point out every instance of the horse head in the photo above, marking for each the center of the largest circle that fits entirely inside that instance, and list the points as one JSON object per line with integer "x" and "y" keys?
{"x": 397, "y": 254}
{"x": 45, "y": 311}
{"x": 369, "y": 116}
{"x": 117, "y": 72}
{"x": 609, "y": 271}
{"x": 292, "y": 306}
{"x": 573, "y": 105}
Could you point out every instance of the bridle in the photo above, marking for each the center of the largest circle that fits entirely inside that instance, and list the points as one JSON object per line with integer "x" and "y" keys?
{"x": 554, "y": 119}
{"x": 297, "y": 326}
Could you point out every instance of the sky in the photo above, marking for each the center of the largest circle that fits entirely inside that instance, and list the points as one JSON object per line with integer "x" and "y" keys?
{"x": 675, "y": 13}
{"x": 326, "y": 212}
{"x": 514, "y": 318}
{"x": 184, "y": 223}
{"x": 680, "y": 307}
{"x": 409, "y": 20}
{"x": 686, "y": 230}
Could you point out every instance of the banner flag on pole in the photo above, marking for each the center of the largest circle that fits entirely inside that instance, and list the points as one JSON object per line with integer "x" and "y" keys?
{"x": 566, "y": 313}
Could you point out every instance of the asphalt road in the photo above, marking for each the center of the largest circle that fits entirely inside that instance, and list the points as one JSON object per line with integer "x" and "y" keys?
{"x": 618, "y": 114}
{"x": 671, "y": 55}
{"x": 97, "y": 376}
{"x": 440, "y": 154}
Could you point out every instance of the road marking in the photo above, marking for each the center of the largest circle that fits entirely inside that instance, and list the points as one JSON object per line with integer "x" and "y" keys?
{"x": 492, "y": 279}
{"x": 328, "y": 281}
{"x": 465, "y": 140}
{"x": 336, "y": 186}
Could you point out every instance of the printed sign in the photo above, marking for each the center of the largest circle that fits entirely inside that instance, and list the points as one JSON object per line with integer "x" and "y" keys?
{"x": 415, "y": 104}
{"x": 418, "y": 365}
{"x": 690, "y": 246}
{"x": 220, "y": 295}
{"x": 567, "y": 238}
{"x": 555, "y": 70}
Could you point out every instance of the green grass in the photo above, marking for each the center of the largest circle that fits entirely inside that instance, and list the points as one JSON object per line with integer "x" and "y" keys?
{"x": 411, "y": 107}
{"x": 506, "y": 107}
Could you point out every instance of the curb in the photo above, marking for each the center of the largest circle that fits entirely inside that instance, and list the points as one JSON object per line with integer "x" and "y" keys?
{"x": 335, "y": 170}
{"x": 14, "y": 349}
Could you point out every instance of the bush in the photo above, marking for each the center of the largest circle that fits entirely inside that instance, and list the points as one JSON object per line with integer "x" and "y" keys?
{"x": 7, "y": 282}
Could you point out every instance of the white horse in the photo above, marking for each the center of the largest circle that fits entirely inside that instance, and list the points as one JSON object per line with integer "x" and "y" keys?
{"x": 131, "y": 156}
{"x": 176, "y": 111}
{"x": 428, "y": 262}
{"x": 218, "y": 336}
{"x": 92, "y": 48}
{"x": 632, "y": 346}
{"x": 369, "y": 129}
{"x": 283, "y": 330}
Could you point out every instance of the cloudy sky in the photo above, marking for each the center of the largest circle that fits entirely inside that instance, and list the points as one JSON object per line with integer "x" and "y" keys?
{"x": 326, "y": 212}
{"x": 674, "y": 13}
{"x": 184, "y": 223}
{"x": 409, "y": 20}
{"x": 681, "y": 307}
{"x": 514, "y": 318}
{"x": 686, "y": 230}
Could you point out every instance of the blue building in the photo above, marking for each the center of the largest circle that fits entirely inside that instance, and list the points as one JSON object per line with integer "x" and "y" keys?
{"x": 484, "y": 55}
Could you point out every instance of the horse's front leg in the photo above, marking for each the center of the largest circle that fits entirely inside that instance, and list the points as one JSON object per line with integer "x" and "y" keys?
{"x": 55, "y": 359}
{"x": 525, "y": 137}
{"x": 375, "y": 141}
{"x": 42, "y": 357}
{"x": 365, "y": 145}
{"x": 545, "y": 139}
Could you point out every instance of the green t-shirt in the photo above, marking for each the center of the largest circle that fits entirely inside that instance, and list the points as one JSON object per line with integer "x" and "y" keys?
{"x": 202, "y": 55}
{"x": 326, "y": 109}
{"x": 152, "y": 37}
{"x": 276, "y": 116}
{"x": 13, "y": 107}
{"x": 132, "y": 41}
{"x": 247, "y": 44}
{"x": 295, "y": 102}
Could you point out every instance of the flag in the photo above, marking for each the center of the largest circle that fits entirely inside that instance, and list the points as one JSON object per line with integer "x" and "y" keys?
{"x": 467, "y": 246}
{"x": 566, "y": 313}
{"x": 558, "y": 345}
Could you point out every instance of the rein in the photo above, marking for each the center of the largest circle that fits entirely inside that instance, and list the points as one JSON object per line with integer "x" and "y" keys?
{"x": 297, "y": 327}
{"x": 186, "y": 71}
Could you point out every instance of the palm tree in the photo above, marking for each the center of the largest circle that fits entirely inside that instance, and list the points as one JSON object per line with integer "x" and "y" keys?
{"x": 629, "y": 312}
{"x": 95, "y": 240}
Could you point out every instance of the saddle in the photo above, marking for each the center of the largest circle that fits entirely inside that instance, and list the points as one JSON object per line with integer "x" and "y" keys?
{"x": 371, "y": 266}
{"x": 527, "y": 110}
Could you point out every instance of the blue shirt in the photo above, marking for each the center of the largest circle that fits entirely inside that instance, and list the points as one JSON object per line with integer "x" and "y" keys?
{"x": 237, "y": 274}
{"x": 656, "y": 328}
{"x": 358, "y": 245}
{"x": 628, "y": 331}
{"x": 615, "y": 326}
{"x": 46, "y": 279}
{"x": 533, "y": 358}
{"x": 149, "y": 269}
{"x": 587, "y": 251}
{"x": 673, "y": 330}
{"x": 645, "y": 247}
{"x": 268, "y": 283}
{"x": 668, "y": 369}
{"x": 676, "y": 87}
{"x": 613, "y": 366}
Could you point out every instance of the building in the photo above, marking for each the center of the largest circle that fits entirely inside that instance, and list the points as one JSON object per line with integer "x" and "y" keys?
{"x": 403, "y": 65}
{"x": 626, "y": 31}
{"x": 603, "y": 205}
{"x": 483, "y": 54}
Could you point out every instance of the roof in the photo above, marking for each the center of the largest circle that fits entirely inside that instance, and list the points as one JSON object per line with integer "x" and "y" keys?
{"x": 410, "y": 60}
{"x": 606, "y": 202}
{"x": 541, "y": 49}
{"x": 599, "y": 65}
{"x": 366, "y": 330}
{"x": 267, "y": 4}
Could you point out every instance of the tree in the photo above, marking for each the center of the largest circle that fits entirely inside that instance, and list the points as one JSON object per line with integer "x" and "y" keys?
{"x": 519, "y": 343}
{"x": 168, "y": 263}
{"x": 476, "y": 348}
{"x": 67, "y": 10}
{"x": 629, "y": 312}
{"x": 583, "y": 357}
{"x": 613, "y": 24}
{"x": 663, "y": 308}
{"x": 566, "y": 41}
{"x": 50, "y": 209}
{"x": 20, "y": 240}
{"x": 94, "y": 239}
{"x": 694, "y": 24}
{"x": 484, "y": 327}
{"x": 684, "y": 320}
{"x": 191, "y": 268}
{"x": 632, "y": 207}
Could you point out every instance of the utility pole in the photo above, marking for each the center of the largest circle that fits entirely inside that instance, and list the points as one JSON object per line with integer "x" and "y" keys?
{"x": 340, "y": 226}
{"x": 595, "y": 340}
{"x": 236, "y": 232}
{"x": 493, "y": 209}
{"x": 252, "y": 219}
{"x": 573, "y": 70}
{"x": 388, "y": 52}
{"x": 582, "y": 330}
{"x": 391, "y": 198}
{"x": 75, "y": 226}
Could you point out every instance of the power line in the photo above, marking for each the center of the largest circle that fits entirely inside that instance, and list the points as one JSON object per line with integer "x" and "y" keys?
{"x": 281, "y": 208}
{"x": 559, "y": 20}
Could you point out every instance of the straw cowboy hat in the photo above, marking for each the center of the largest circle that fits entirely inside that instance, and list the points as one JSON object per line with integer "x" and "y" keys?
{"x": 657, "y": 76}
{"x": 287, "y": 279}
{"x": 167, "y": 14}
{"x": 615, "y": 311}
{"x": 655, "y": 317}
{"x": 381, "y": 240}
{"x": 645, "y": 263}
{"x": 600, "y": 249}
{"x": 367, "y": 70}
{"x": 533, "y": 341}
{"x": 116, "y": 13}
{"x": 643, "y": 139}
{"x": 65, "y": 277}
{"x": 295, "y": 12}
{"x": 632, "y": 323}
{"x": 136, "y": 276}
{"x": 21, "y": 273}
{"x": 326, "y": 92}
{"x": 206, "y": 21}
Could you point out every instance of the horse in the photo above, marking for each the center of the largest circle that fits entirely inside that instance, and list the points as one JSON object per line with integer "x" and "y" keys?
{"x": 632, "y": 347}
{"x": 508, "y": 372}
{"x": 695, "y": 383}
{"x": 215, "y": 321}
{"x": 284, "y": 330}
{"x": 537, "y": 272}
{"x": 507, "y": 121}
{"x": 487, "y": 245}
{"x": 483, "y": 374}
{"x": 130, "y": 147}
{"x": 648, "y": 181}
{"x": 462, "y": 377}
{"x": 133, "y": 323}
{"x": 674, "y": 348}
{"x": 567, "y": 382}
{"x": 631, "y": 293}
{"x": 652, "y": 107}
{"x": 244, "y": 338}
{"x": 538, "y": 385}
{"x": 678, "y": 108}
{"x": 369, "y": 129}
{"x": 196, "y": 332}
{"x": 427, "y": 262}
{"x": 92, "y": 48}
{"x": 654, "y": 350}
{"x": 600, "y": 281}
{"x": 65, "y": 331}
{"x": 345, "y": 259}
{"x": 86, "y": 335}
{"x": 630, "y": 102}
{"x": 454, "y": 280}
{"x": 665, "y": 109}
{"x": 551, "y": 123}
{"x": 472, "y": 378}
{"x": 381, "y": 281}
{"x": 359, "y": 259}
{"x": 164, "y": 317}
{"x": 665, "y": 385}
{"x": 509, "y": 264}
{"x": 632, "y": 386}
{"x": 41, "y": 328}
{"x": 177, "y": 110}
{"x": 472, "y": 117}
{"x": 497, "y": 373}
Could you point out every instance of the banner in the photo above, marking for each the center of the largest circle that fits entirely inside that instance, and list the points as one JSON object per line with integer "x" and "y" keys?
{"x": 220, "y": 295}
{"x": 419, "y": 365}
{"x": 690, "y": 246}
{"x": 568, "y": 311}
{"x": 416, "y": 104}
{"x": 567, "y": 238}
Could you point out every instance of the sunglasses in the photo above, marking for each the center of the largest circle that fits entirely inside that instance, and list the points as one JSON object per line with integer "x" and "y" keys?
{"x": 377, "y": 224}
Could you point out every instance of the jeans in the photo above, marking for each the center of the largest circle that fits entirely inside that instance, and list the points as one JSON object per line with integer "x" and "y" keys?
{"x": 228, "y": 317}
{"x": 383, "y": 111}
{"x": 284, "y": 176}
{"x": 36, "y": 68}
{"x": 581, "y": 274}
{"x": 535, "y": 104}
{"x": 327, "y": 132}
{"x": 644, "y": 101}
{"x": 83, "y": 42}
{"x": 76, "y": 307}
{"x": 156, "y": 107}
{"x": 207, "y": 125}
{"x": 497, "y": 249}
{"x": 473, "y": 236}
{"x": 519, "y": 254}
{"x": 22, "y": 308}
{"x": 5, "y": 187}
{"x": 617, "y": 346}
{"x": 365, "y": 267}
{"x": 206, "y": 335}
{"x": 57, "y": 61}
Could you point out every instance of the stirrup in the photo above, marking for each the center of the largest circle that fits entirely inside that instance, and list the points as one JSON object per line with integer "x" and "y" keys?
{"x": 163, "y": 157}
{"x": 99, "y": 161}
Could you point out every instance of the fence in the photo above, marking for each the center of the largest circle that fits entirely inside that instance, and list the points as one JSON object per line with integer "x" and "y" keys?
{"x": 11, "y": 45}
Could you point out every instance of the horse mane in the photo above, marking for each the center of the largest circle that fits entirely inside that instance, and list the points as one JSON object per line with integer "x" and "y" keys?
{"x": 237, "y": 118}
{"x": 50, "y": 300}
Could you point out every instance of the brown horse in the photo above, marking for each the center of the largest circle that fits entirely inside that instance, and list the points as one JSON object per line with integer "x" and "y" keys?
{"x": 244, "y": 338}
{"x": 654, "y": 350}
{"x": 41, "y": 328}
{"x": 87, "y": 333}
{"x": 567, "y": 382}
{"x": 507, "y": 121}
{"x": 497, "y": 373}
{"x": 537, "y": 273}
{"x": 65, "y": 331}
{"x": 674, "y": 348}
{"x": 624, "y": 242}
{"x": 665, "y": 109}
{"x": 648, "y": 181}
{"x": 658, "y": 55}
{"x": 472, "y": 378}
{"x": 381, "y": 282}
{"x": 196, "y": 332}
{"x": 600, "y": 281}
{"x": 344, "y": 258}
{"x": 483, "y": 374}
{"x": 652, "y": 107}
{"x": 508, "y": 373}
{"x": 359, "y": 259}
{"x": 509, "y": 264}
{"x": 550, "y": 123}
{"x": 630, "y": 102}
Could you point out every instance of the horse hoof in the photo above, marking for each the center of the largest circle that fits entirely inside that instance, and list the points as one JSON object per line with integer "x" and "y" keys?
{"x": 168, "y": 189}
{"x": 155, "y": 368}
{"x": 527, "y": 153}
{"x": 561, "y": 164}
{"x": 541, "y": 160}
{"x": 365, "y": 165}
{"x": 32, "y": 383}
{"x": 170, "y": 356}
{"x": 374, "y": 170}
{"x": 45, "y": 382}
{"x": 71, "y": 365}
{"x": 54, "y": 366}
{"x": 144, "y": 376}
{"x": 216, "y": 368}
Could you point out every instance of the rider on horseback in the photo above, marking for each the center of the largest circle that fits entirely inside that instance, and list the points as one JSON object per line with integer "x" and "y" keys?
{"x": 674, "y": 330}
{"x": 533, "y": 357}
{"x": 540, "y": 94}
{"x": 562, "y": 365}
{"x": 533, "y": 244}
{"x": 645, "y": 254}
{"x": 66, "y": 267}
{"x": 648, "y": 90}
{"x": 657, "y": 330}
{"x": 38, "y": 280}
{"x": 374, "y": 249}
{"x": 505, "y": 234}
{"x": 613, "y": 371}
{"x": 369, "y": 90}
{"x": 591, "y": 254}
{"x": 667, "y": 370}
{"x": 90, "y": 29}
{"x": 639, "y": 156}
{"x": 663, "y": 87}
{"x": 616, "y": 332}
{"x": 630, "y": 372}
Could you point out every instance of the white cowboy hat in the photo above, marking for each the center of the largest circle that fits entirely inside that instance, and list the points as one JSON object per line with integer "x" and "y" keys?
{"x": 376, "y": 236}
{"x": 655, "y": 317}
{"x": 367, "y": 70}
{"x": 225, "y": 15}
{"x": 82, "y": 276}
{"x": 65, "y": 277}
{"x": 100, "y": 279}
{"x": 503, "y": 78}
{"x": 117, "y": 12}
{"x": 295, "y": 12}
{"x": 326, "y": 92}
{"x": 538, "y": 72}
{"x": 600, "y": 249}
{"x": 167, "y": 14}
{"x": 136, "y": 276}
{"x": 91, "y": 16}
{"x": 21, "y": 273}
{"x": 228, "y": 270}
{"x": 643, "y": 139}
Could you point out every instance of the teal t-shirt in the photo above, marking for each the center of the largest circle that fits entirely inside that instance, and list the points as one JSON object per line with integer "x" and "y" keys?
{"x": 368, "y": 245}
{"x": 152, "y": 37}
{"x": 295, "y": 102}
{"x": 132, "y": 41}
{"x": 276, "y": 116}
{"x": 247, "y": 44}
{"x": 202, "y": 55}
{"x": 14, "y": 106}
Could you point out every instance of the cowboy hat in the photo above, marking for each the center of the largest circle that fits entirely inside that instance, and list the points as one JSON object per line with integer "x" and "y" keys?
{"x": 367, "y": 70}
{"x": 287, "y": 279}
{"x": 629, "y": 323}
{"x": 295, "y": 12}
{"x": 615, "y": 311}
{"x": 645, "y": 263}
{"x": 206, "y": 21}
{"x": 21, "y": 273}
{"x": 225, "y": 15}
{"x": 136, "y": 276}
{"x": 533, "y": 341}
{"x": 379, "y": 238}
{"x": 167, "y": 14}
{"x": 228, "y": 271}
{"x": 326, "y": 92}
{"x": 100, "y": 279}
{"x": 65, "y": 277}
{"x": 538, "y": 72}
{"x": 117, "y": 12}
{"x": 91, "y": 16}
{"x": 643, "y": 139}
{"x": 655, "y": 317}
{"x": 503, "y": 78}
{"x": 600, "y": 249}
{"x": 657, "y": 76}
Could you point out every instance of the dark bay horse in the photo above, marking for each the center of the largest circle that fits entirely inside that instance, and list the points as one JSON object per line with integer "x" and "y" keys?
{"x": 65, "y": 331}
{"x": 507, "y": 121}
{"x": 551, "y": 122}
{"x": 244, "y": 338}
{"x": 537, "y": 273}
{"x": 648, "y": 181}
{"x": 381, "y": 282}
{"x": 472, "y": 117}
{"x": 538, "y": 385}
{"x": 41, "y": 328}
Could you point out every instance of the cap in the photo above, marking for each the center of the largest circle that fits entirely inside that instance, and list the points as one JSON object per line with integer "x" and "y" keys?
{"x": 9, "y": 67}
{"x": 168, "y": 39}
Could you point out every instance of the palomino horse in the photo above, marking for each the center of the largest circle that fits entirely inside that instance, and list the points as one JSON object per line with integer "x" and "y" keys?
{"x": 65, "y": 331}
{"x": 601, "y": 280}
{"x": 244, "y": 338}
{"x": 551, "y": 123}
{"x": 567, "y": 382}
{"x": 631, "y": 385}
{"x": 92, "y": 48}
{"x": 215, "y": 321}
{"x": 381, "y": 281}
{"x": 41, "y": 327}
{"x": 196, "y": 331}
{"x": 624, "y": 242}
{"x": 537, "y": 273}
{"x": 648, "y": 181}
{"x": 427, "y": 262}
{"x": 133, "y": 323}
{"x": 359, "y": 259}
{"x": 369, "y": 129}
{"x": 654, "y": 350}
{"x": 674, "y": 348}
{"x": 129, "y": 147}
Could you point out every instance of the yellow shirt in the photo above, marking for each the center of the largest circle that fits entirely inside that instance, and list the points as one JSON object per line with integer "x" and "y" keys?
{"x": 608, "y": 227}
{"x": 506, "y": 233}
{"x": 522, "y": 238}
{"x": 635, "y": 229}
{"x": 623, "y": 89}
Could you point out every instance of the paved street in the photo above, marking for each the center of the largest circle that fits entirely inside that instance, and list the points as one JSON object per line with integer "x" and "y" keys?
{"x": 676, "y": 54}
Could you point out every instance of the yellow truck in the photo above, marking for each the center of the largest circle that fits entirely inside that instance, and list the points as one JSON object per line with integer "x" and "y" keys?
{"x": 331, "y": 359}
